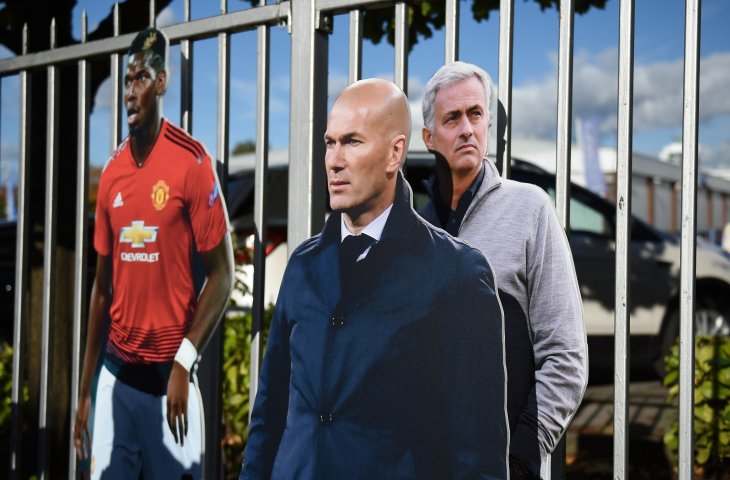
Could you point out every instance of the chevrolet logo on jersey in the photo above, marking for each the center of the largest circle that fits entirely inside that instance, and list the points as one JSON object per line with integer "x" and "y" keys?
{"x": 137, "y": 234}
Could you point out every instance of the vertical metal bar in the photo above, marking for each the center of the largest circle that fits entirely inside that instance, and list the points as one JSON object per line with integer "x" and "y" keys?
{"x": 115, "y": 127}
{"x": 688, "y": 247}
{"x": 186, "y": 79}
{"x": 308, "y": 122}
{"x": 224, "y": 67}
{"x": 355, "y": 68}
{"x": 153, "y": 19}
{"x": 402, "y": 25}
{"x": 506, "y": 37}
{"x": 212, "y": 360}
{"x": 562, "y": 169}
{"x": 153, "y": 24}
{"x": 49, "y": 260}
{"x": 623, "y": 241}
{"x": 81, "y": 258}
{"x": 451, "y": 49}
{"x": 565, "y": 100}
{"x": 20, "y": 308}
{"x": 259, "y": 204}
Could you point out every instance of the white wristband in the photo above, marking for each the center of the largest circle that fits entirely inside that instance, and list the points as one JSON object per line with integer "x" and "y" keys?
{"x": 187, "y": 354}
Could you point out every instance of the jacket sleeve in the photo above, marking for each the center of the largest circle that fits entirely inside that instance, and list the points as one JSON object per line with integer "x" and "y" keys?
{"x": 558, "y": 338}
{"x": 474, "y": 387}
{"x": 269, "y": 414}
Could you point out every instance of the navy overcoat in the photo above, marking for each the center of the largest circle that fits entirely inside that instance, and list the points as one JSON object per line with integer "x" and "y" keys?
{"x": 404, "y": 378}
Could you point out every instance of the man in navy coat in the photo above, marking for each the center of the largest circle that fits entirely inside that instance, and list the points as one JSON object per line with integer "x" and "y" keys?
{"x": 385, "y": 357}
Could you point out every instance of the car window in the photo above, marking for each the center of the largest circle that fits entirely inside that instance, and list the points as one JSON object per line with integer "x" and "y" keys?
{"x": 584, "y": 218}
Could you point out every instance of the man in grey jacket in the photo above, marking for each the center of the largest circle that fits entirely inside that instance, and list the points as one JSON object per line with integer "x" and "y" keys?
{"x": 515, "y": 226}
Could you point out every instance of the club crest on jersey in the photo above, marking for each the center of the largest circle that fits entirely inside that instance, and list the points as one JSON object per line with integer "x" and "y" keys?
{"x": 160, "y": 195}
{"x": 137, "y": 234}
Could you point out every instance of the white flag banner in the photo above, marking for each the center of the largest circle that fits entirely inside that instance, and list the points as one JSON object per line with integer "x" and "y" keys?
{"x": 590, "y": 141}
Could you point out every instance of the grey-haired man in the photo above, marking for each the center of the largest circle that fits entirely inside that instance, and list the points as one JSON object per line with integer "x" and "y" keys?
{"x": 515, "y": 226}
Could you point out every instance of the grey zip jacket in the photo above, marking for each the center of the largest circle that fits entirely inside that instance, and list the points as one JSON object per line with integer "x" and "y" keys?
{"x": 515, "y": 225}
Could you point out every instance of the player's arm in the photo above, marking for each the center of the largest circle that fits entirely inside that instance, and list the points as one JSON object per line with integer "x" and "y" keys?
{"x": 218, "y": 265}
{"x": 101, "y": 295}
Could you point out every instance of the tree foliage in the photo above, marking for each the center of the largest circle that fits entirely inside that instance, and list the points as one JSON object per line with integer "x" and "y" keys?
{"x": 247, "y": 146}
{"x": 711, "y": 405}
{"x": 429, "y": 15}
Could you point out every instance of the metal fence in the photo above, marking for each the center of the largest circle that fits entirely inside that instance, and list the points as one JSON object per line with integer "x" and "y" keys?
{"x": 309, "y": 23}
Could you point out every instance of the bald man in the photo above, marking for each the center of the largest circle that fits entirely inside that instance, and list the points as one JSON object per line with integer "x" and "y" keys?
{"x": 377, "y": 364}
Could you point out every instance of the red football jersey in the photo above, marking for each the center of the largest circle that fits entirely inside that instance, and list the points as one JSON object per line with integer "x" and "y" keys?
{"x": 149, "y": 218}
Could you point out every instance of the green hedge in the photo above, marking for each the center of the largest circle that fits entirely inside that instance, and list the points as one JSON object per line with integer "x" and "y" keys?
{"x": 236, "y": 380}
{"x": 711, "y": 405}
{"x": 6, "y": 407}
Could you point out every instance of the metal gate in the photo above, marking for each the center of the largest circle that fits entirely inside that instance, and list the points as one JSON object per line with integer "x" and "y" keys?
{"x": 309, "y": 23}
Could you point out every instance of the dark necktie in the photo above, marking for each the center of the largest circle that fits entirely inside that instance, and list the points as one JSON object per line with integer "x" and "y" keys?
{"x": 353, "y": 246}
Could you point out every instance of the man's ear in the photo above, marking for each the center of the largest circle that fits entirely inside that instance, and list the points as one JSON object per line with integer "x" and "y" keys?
{"x": 427, "y": 138}
{"x": 397, "y": 153}
{"x": 161, "y": 83}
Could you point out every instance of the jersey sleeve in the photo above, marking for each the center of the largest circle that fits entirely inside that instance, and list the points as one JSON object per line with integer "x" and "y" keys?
{"x": 103, "y": 236}
{"x": 208, "y": 216}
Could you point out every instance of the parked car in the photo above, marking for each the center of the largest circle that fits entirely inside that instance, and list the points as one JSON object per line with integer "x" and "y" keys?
{"x": 655, "y": 263}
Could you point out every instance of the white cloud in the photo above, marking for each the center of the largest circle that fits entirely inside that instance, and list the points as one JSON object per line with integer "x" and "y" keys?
{"x": 102, "y": 101}
{"x": 243, "y": 89}
{"x": 336, "y": 84}
{"x": 716, "y": 155}
{"x": 533, "y": 109}
{"x": 9, "y": 162}
{"x": 166, "y": 17}
{"x": 9, "y": 151}
{"x": 279, "y": 104}
{"x": 714, "y": 83}
{"x": 281, "y": 82}
{"x": 657, "y": 94}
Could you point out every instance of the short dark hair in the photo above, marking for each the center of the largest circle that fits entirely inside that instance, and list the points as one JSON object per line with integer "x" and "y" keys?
{"x": 154, "y": 45}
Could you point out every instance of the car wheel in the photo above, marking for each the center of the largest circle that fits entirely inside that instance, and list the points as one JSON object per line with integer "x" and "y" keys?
{"x": 712, "y": 317}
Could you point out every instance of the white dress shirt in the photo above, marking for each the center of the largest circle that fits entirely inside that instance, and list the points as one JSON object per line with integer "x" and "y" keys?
{"x": 374, "y": 229}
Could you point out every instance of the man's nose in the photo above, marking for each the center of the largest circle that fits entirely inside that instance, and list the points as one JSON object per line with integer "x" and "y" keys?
{"x": 465, "y": 127}
{"x": 335, "y": 158}
{"x": 131, "y": 90}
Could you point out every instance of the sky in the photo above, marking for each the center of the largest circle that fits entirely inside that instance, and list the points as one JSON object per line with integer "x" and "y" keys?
{"x": 658, "y": 75}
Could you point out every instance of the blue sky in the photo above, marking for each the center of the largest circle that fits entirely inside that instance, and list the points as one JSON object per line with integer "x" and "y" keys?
{"x": 658, "y": 51}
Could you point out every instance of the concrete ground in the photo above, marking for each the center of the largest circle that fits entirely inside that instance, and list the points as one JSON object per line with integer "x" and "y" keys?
{"x": 590, "y": 436}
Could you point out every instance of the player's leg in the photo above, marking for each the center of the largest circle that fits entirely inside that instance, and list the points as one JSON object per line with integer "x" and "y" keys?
{"x": 162, "y": 457}
{"x": 115, "y": 451}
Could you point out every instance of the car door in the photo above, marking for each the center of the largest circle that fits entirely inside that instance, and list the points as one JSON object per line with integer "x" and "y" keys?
{"x": 592, "y": 241}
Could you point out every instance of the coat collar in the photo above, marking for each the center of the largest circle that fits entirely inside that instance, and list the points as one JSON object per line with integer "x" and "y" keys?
{"x": 400, "y": 220}
{"x": 491, "y": 181}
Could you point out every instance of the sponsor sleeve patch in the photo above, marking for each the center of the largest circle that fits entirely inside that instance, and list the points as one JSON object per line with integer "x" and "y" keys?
{"x": 213, "y": 195}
